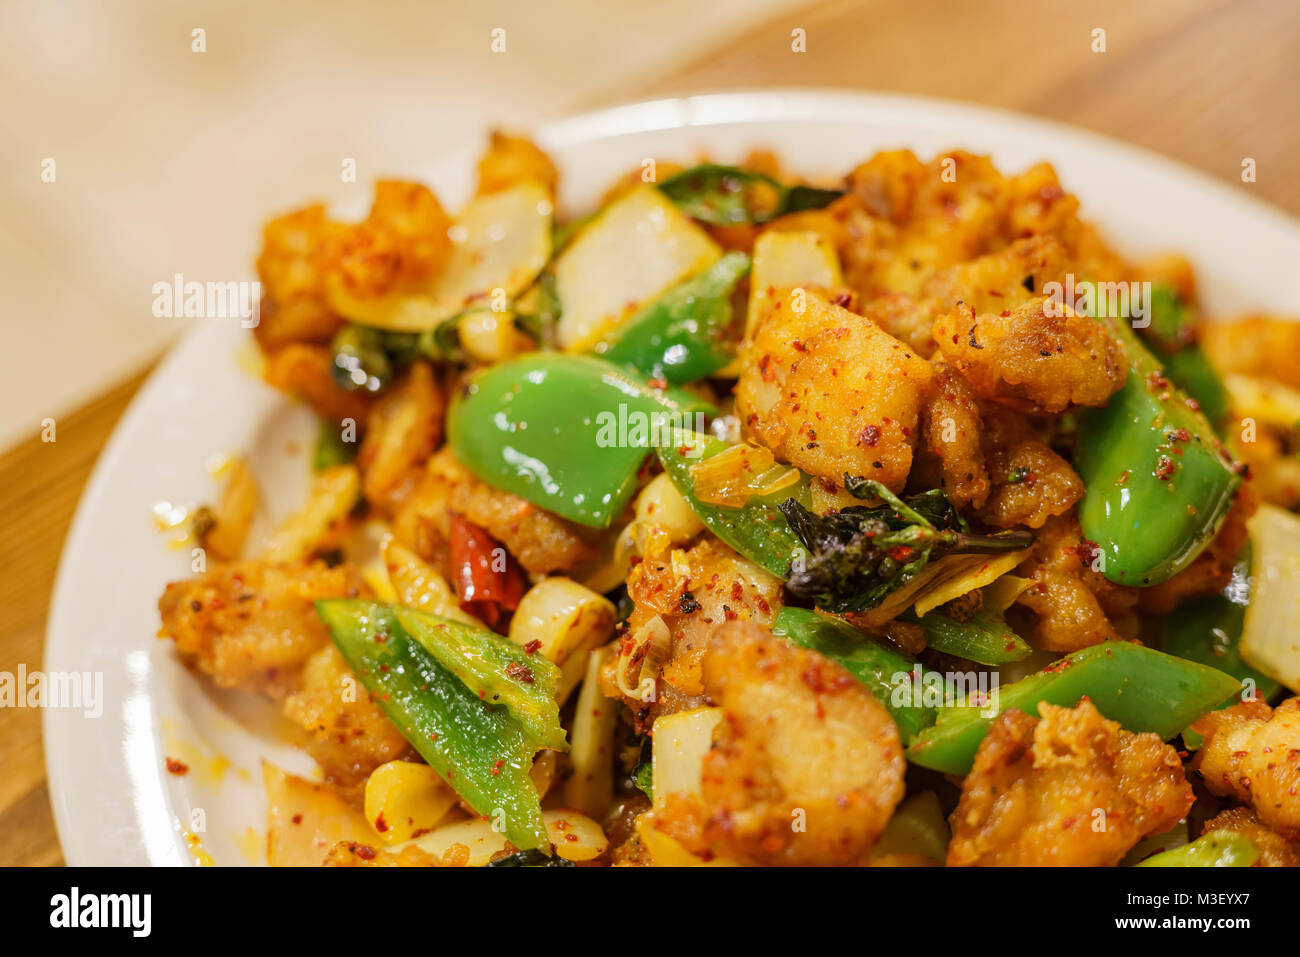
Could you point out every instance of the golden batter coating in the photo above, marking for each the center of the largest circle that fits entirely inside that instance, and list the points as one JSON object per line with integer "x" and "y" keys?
{"x": 1252, "y": 752}
{"x": 830, "y": 392}
{"x": 292, "y": 267}
{"x": 694, "y": 591}
{"x": 806, "y": 766}
{"x": 541, "y": 541}
{"x": 402, "y": 242}
{"x": 1028, "y": 482}
{"x": 251, "y": 625}
{"x": 1063, "y": 590}
{"x": 511, "y": 160}
{"x": 1071, "y": 788}
{"x": 952, "y": 431}
{"x": 1035, "y": 357}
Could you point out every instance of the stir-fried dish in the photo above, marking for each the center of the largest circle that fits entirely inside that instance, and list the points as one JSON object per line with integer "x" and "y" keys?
{"x": 743, "y": 520}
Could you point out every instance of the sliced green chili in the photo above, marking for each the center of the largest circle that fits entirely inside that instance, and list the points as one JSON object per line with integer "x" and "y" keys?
{"x": 1157, "y": 481}
{"x": 496, "y": 669}
{"x": 757, "y": 529}
{"x": 1171, "y": 335}
{"x": 681, "y": 336}
{"x": 1216, "y": 849}
{"x": 479, "y": 749}
{"x": 984, "y": 638}
{"x": 331, "y": 450}
{"x": 1142, "y": 689}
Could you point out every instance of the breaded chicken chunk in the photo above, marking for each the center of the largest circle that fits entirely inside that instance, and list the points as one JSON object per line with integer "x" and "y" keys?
{"x": 401, "y": 243}
{"x": 252, "y": 625}
{"x": 1033, "y": 357}
{"x": 347, "y": 733}
{"x": 1070, "y": 788}
{"x": 952, "y": 431}
{"x": 541, "y": 541}
{"x": 1252, "y": 752}
{"x": 292, "y": 267}
{"x": 693, "y": 591}
{"x": 806, "y": 766}
{"x": 1000, "y": 281}
{"x": 1069, "y": 598}
{"x": 831, "y": 392}
{"x": 1262, "y": 346}
{"x": 1028, "y": 482}
{"x": 511, "y": 160}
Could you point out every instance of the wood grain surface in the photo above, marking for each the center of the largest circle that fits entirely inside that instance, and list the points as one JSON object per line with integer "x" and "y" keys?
{"x": 1207, "y": 82}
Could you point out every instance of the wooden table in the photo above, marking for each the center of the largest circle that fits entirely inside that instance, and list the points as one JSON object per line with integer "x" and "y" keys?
{"x": 1208, "y": 82}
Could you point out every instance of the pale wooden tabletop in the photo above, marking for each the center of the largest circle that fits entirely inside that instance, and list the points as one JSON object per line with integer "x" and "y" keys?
{"x": 1207, "y": 82}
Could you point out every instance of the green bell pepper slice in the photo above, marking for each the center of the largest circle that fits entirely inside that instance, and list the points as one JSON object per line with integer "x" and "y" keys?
{"x": 1216, "y": 849}
{"x": 1157, "y": 481}
{"x": 480, "y": 750}
{"x": 1142, "y": 689}
{"x": 877, "y": 667}
{"x": 680, "y": 336}
{"x": 1170, "y": 336}
{"x": 984, "y": 638}
{"x": 567, "y": 433}
{"x": 730, "y": 196}
{"x": 757, "y": 530}
{"x": 496, "y": 669}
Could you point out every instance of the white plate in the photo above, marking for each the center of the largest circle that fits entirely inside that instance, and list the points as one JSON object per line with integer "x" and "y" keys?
{"x": 113, "y": 800}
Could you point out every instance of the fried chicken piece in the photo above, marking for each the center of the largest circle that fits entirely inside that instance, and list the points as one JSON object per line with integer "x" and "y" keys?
{"x": 906, "y": 319}
{"x": 1031, "y": 357}
{"x": 951, "y": 430}
{"x": 928, "y": 217}
{"x": 831, "y": 392}
{"x": 303, "y": 370}
{"x": 348, "y": 734}
{"x": 1068, "y": 789}
{"x": 889, "y": 184}
{"x": 1262, "y": 346}
{"x": 252, "y": 625}
{"x": 292, "y": 267}
{"x": 1028, "y": 482}
{"x": 694, "y": 591}
{"x": 403, "y": 242}
{"x": 541, "y": 541}
{"x": 1000, "y": 281}
{"x": 1039, "y": 206}
{"x": 1061, "y": 591}
{"x": 806, "y": 766}
{"x": 1252, "y": 752}
{"x": 511, "y": 160}
{"x": 1274, "y": 472}
{"x": 1274, "y": 849}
